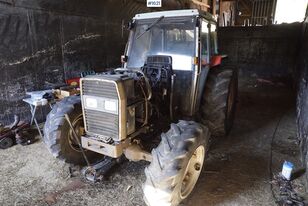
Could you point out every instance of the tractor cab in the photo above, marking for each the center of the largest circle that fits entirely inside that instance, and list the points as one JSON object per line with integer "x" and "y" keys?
{"x": 187, "y": 37}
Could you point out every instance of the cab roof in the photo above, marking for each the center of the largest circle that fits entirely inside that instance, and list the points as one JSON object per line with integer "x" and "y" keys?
{"x": 175, "y": 13}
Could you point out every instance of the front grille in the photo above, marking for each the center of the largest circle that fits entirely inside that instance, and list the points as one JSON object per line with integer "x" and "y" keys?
{"x": 102, "y": 123}
{"x": 99, "y": 122}
{"x": 99, "y": 89}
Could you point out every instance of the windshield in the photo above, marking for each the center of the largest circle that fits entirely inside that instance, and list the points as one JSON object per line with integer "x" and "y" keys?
{"x": 169, "y": 36}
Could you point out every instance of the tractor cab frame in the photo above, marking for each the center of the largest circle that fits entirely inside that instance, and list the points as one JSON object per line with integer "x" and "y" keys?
{"x": 189, "y": 37}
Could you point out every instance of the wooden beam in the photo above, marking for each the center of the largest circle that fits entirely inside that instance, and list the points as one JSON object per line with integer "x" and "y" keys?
{"x": 200, "y": 3}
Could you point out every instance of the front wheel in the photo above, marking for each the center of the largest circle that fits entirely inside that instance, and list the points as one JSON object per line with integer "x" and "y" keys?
{"x": 58, "y": 135}
{"x": 176, "y": 165}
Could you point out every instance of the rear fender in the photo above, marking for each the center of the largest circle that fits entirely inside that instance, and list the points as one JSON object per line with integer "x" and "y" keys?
{"x": 216, "y": 60}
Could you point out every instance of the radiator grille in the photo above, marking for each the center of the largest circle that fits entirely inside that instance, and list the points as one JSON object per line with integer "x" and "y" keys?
{"x": 99, "y": 89}
{"x": 98, "y": 122}
{"x": 102, "y": 123}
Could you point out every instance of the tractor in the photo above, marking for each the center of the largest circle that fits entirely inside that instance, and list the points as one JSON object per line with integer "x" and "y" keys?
{"x": 170, "y": 95}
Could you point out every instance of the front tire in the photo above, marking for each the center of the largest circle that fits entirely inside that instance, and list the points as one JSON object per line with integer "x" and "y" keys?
{"x": 58, "y": 135}
{"x": 176, "y": 164}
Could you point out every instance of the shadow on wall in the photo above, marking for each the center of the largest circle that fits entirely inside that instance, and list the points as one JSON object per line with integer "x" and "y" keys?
{"x": 45, "y": 42}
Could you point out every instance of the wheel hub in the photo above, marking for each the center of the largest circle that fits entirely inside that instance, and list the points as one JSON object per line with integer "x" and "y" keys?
{"x": 79, "y": 129}
{"x": 192, "y": 171}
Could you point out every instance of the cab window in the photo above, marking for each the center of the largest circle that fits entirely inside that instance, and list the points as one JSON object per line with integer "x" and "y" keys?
{"x": 204, "y": 42}
{"x": 213, "y": 39}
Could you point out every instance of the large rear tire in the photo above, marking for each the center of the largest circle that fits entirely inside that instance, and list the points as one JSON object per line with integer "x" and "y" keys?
{"x": 219, "y": 100}
{"x": 176, "y": 164}
{"x": 58, "y": 135}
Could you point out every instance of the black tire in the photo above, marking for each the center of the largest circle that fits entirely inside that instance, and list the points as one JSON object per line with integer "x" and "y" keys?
{"x": 58, "y": 135}
{"x": 6, "y": 143}
{"x": 165, "y": 174}
{"x": 219, "y": 100}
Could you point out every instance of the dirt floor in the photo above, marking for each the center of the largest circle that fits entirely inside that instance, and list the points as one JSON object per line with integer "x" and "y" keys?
{"x": 237, "y": 170}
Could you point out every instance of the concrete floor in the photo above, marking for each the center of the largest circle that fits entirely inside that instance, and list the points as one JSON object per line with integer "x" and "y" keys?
{"x": 236, "y": 171}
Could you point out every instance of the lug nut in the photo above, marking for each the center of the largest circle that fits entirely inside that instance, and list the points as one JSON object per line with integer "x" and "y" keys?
{"x": 197, "y": 167}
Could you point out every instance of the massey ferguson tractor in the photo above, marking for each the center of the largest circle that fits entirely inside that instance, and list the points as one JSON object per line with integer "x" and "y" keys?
{"x": 171, "y": 93}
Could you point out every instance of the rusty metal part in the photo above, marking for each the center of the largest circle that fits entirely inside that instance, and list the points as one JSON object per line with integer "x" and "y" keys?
{"x": 135, "y": 153}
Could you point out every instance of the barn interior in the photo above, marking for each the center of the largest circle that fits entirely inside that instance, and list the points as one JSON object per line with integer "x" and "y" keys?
{"x": 45, "y": 43}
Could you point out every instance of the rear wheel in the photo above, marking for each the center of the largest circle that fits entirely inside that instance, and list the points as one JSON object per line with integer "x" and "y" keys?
{"x": 219, "y": 100}
{"x": 58, "y": 135}
{"x": 176, "y": 165}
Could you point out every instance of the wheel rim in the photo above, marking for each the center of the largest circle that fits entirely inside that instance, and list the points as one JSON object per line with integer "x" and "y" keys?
{"x": 78, "y": 126}
{"x": 192, "y": 172}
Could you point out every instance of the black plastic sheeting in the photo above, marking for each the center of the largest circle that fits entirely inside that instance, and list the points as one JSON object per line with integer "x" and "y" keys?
{"x": 262, "y": 51}
{"x": 44, "y": 42}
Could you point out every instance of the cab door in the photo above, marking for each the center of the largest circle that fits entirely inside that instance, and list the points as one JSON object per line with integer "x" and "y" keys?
{"x": 215, "y": 58}
{"x": 204, "y": 43}
{"x": 204, "y": 60}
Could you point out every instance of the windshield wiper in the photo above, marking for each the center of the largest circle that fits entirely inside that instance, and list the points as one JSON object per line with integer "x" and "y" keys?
{"x": 150, "y": 27}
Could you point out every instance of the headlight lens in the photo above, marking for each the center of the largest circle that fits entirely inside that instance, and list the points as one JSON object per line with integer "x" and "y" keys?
{"x": 91, "y": 103}
{"x": 110, "y": 106}
{"x": 101, "y": 104}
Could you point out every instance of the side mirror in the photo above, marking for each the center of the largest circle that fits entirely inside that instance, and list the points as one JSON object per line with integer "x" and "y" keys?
{"x": 130, "y": 25}
{"x": 124, "y": 59}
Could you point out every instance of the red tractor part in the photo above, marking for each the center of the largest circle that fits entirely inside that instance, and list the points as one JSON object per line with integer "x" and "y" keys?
{"x": 14, "y": 133}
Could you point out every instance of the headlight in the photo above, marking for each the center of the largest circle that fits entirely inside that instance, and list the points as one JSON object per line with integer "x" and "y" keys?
{"x": 110, "y": 106}
{"x": 101, "y": 104}
{"x": 91, "y": 103}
